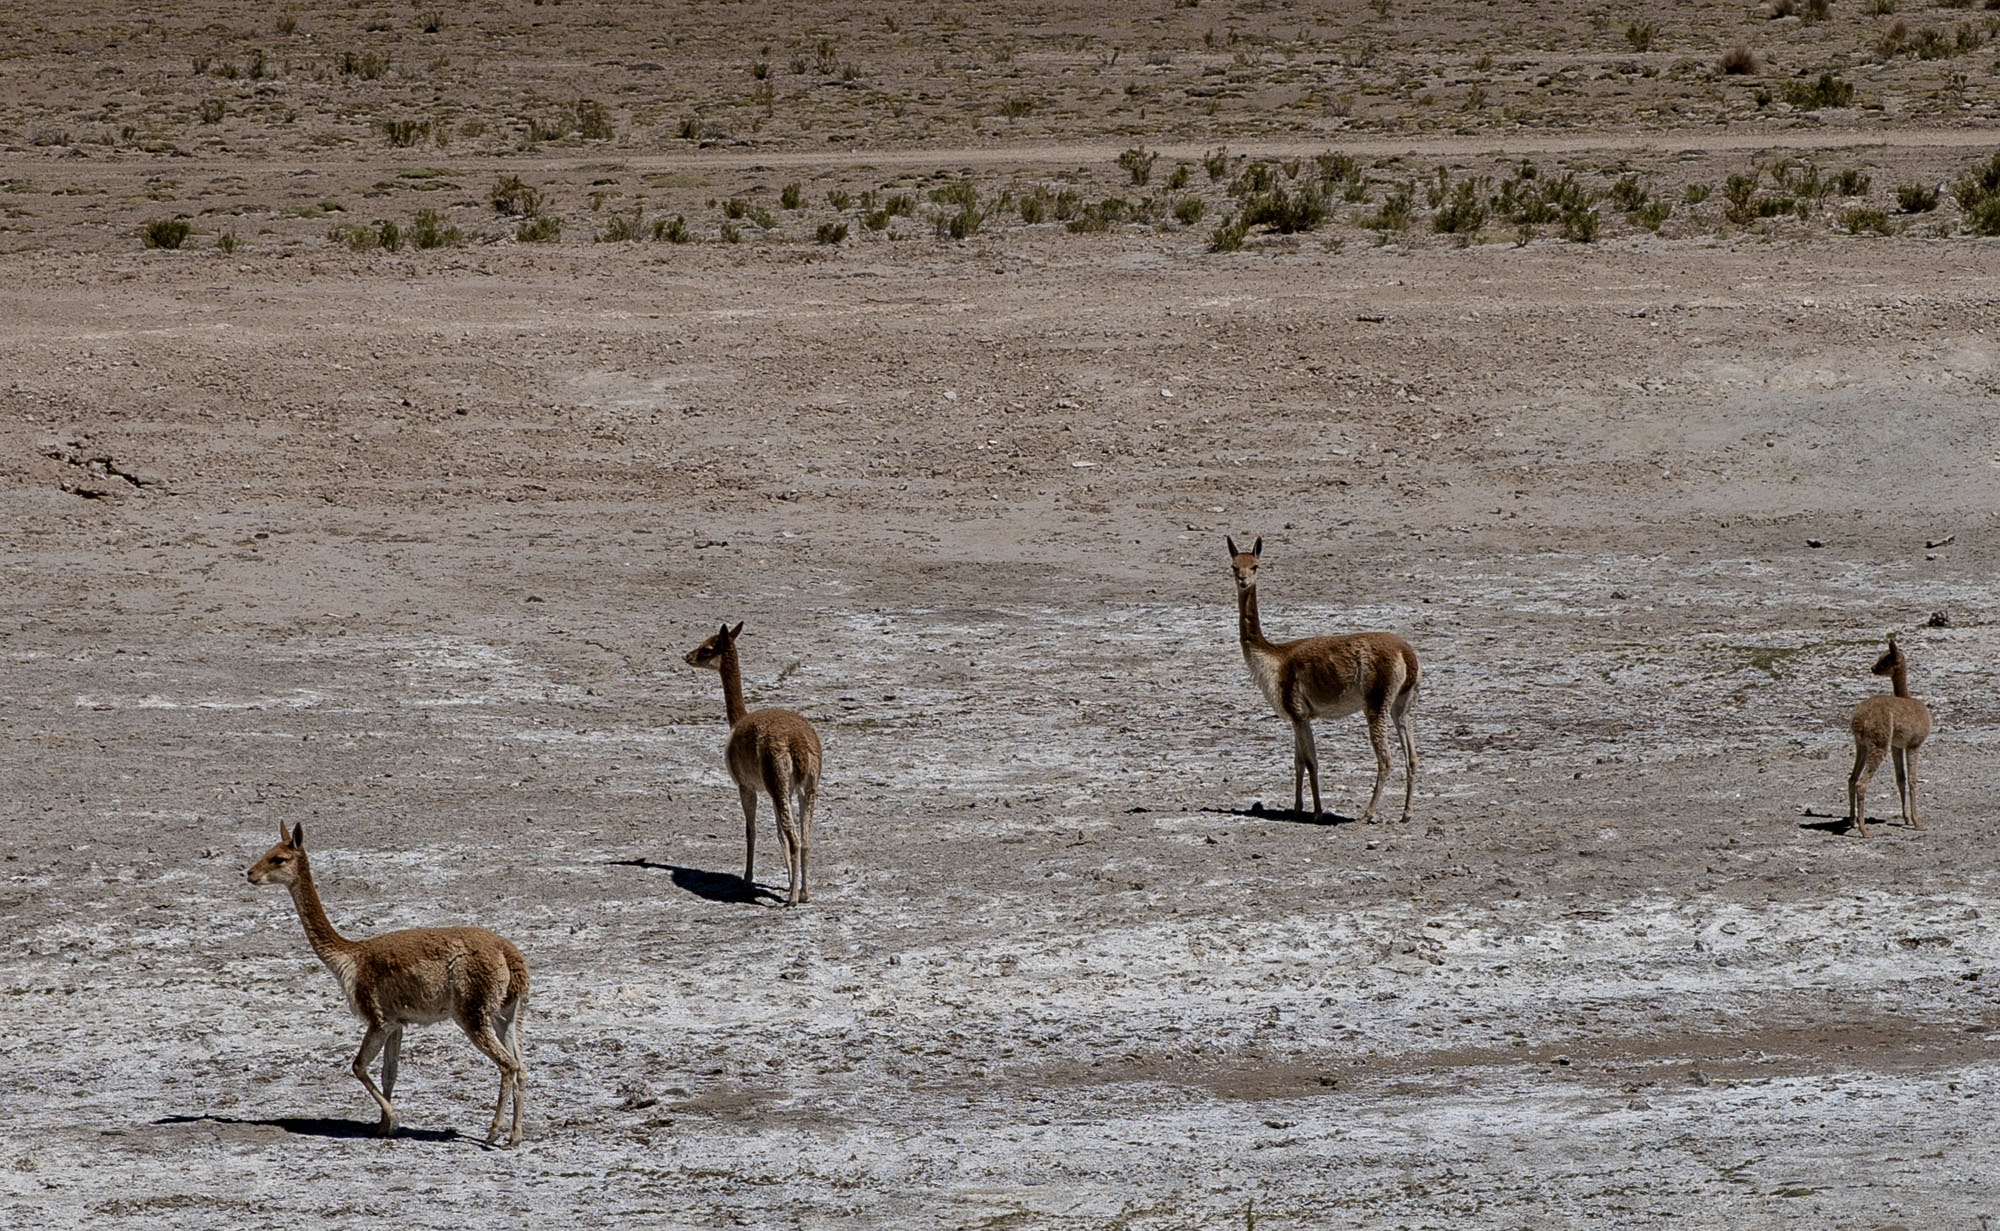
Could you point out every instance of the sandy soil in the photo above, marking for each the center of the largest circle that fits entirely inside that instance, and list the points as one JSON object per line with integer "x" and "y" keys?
{"x": 406, "y": 546}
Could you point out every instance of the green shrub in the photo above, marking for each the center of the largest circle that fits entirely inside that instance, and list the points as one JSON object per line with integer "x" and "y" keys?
{"x": 511, "y": 196}
{"x": 672, "y": 230}
{"x": 1984, "y": 218}
{"x": 430, "y": 230}
{"x": 1916, "y": 198}
{"x": 1828, "y": 91}
{"x": 1977, "y": 185}
{"x": 830, "y": 233}
{"x": 593, "y": 120}
{"x": 1394, "y": 213}
{"x": 1739, "y": 196}
{"x": 405, "y": 133}
{"x": 840, "y": 199}
{"x": 540, "y": 229}
{"x": 165, "y": 232}
{"x": 1695, "y": 194}
{"x": 1228, "y": 237}
{"x": 1653, "y": 213}
{"x": 1216, "y": 163}
{"x": 1463, "y": 214}
{"x": 790, "y": 196}
{"x": 622, "y": 228}
{"x": 1861, "y": 219}
{"x": 1285, "y": 212}
{"x": 1034, "y": 206}
{"x": 1188, "y": 210}
{"x": 1138, "y": 163}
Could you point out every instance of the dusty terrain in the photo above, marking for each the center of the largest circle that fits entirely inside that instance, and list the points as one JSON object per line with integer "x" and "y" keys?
{"x": 405, "y": 543}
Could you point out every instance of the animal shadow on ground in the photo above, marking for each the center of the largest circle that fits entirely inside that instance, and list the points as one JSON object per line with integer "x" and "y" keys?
{"x": 1837, "y": 822}
{"x": 320, "y": 1126}
{"x": 1259, "y": 812}
{"x": 714, "y": 886}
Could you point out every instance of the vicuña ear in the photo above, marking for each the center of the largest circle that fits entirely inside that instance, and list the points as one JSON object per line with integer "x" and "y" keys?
{"x": 298, "y": 838}
{"x": 1232, "y": 545}
{"x": 282, "y": 835}
{"x": 1257, "y": 548}
{"x": 738, "y": 630}
{"x": 722, "y": 633}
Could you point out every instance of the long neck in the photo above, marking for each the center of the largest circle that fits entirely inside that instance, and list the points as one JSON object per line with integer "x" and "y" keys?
{"x": 732, "y": 686}
{"x": 326, "y": 943}
{"x": 1900, "y": 677}
{"x": 1249, "y": 629}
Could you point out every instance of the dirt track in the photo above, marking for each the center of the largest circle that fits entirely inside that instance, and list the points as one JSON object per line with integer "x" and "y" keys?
{"x": 407, "y": 546}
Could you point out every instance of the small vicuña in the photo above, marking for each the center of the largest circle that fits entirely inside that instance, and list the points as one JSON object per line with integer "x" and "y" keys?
{"x": 412, "y": 978}
{"x": 775, "y": 750}
{"x": 1896, "y": 724}
{"x": 1329, "y": 677}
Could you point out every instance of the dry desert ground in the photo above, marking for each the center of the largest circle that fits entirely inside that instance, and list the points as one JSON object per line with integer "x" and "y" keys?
{"x": 391, "y": 394}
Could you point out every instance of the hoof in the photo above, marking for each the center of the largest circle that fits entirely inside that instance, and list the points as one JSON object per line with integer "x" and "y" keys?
{"x": 386, "y": 1128}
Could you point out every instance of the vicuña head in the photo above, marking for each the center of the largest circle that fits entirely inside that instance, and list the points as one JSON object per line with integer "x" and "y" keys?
{"x": 1891, "y": 659}
{"x": 708, "y": 655}
{"x": 1244, "y": 563}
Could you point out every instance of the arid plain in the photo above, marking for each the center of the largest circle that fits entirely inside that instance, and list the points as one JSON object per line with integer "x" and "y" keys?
{"x": 1636, "y": 363}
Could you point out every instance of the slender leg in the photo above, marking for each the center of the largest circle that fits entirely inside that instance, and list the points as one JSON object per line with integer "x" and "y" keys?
{"x": 749, "y": 795}
{"x": 1406, "y": 729}
{"x": 1298, "y": 772}
{"x": 1378, "y": 736}
{"x": 1305, "y": 761}
{"x": 392, "y": 1055}
{"x": 480, "y": 1031}
{"x": 519, "y": 1010}
{"x": 788, "y": 838}
{"x": 808, "y": 792}
{"x": 1902, "y": 783}
{"x": 1866, "y": 759}
{"x": 1910, "y": 761}
{"x": 371, "y": 1045}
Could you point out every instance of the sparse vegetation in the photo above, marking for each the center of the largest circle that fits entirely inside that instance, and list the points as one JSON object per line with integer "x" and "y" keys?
{"x": 672, "y": 230}
{"x": 830, "y": 233}
{"x": 1639, "y": 35}
{"x": 1978, "y": 194}
{"x": 431, "y": 230}
{"x": 511, "y": 196}
{"x": 405, "y": 133}
{"x": 165, "y": 232}
{"x": 1916, "y": 198}
{"x": 1394, "y": 213}
{"x": 958, "y": 214}
{"x": 1828, "y": 91}
{"x": 622, "y": 228}
{"x": 1739, "y": 61}
{"x": 1137, "y": 162}
{"x": 1860, "y": 220}
{"x": 1287, "y": 213}
{"x": 791, "y": 196}
{"x": 539, "y": 229}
